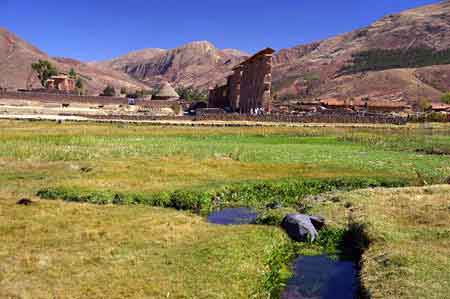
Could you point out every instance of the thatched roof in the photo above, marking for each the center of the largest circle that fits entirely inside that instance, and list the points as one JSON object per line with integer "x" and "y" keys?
{"x": 167, "y": 92}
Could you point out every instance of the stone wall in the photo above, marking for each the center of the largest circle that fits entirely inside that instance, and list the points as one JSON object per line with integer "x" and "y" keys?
{"x": 218, "y": 97}
{"x": 234, "y": 85}
{"x": 230, "y": 119}
{"x": 67, "y": 99}
{"x": 248, "y": 88}
{"x": 256, "y": 83}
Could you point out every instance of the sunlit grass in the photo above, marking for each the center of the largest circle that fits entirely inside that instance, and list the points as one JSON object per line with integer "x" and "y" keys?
{"x": 85, "y": 251}
{"x": 408, "y": 256}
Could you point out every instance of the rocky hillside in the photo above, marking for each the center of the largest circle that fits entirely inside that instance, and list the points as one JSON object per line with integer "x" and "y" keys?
{"x": 414, "y": 64}
{"x": 16, "y": 57}
{"x": 198, "y": 64}
{"x": 315, "y": 70}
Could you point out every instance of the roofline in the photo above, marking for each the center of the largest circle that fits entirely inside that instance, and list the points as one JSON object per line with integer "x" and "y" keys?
{"x": 266, "y": 51}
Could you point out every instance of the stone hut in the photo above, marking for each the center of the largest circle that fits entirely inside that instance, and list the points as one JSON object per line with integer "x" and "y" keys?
{"x": 166, "y": 92}
{"x": 248, "y": 88}
{"x": 62, "y": 83}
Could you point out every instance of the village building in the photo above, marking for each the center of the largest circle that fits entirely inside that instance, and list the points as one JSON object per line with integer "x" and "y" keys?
{"x": 382, "y": 106}
{"x": 61, "y": 83}
{"x": 166, "y": 93}
{"x": 248, "y": 88}
{"x": 440, "y": 107}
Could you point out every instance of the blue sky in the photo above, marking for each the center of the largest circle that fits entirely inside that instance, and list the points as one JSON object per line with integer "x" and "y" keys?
{"x": 102, "y": 29}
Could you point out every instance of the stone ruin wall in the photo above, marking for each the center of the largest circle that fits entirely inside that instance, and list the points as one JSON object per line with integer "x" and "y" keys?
{"x": 256, "y": 83}
{"x": 248, "y": 88}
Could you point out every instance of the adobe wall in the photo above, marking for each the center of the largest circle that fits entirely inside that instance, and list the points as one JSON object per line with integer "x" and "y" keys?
{"x": 67, "y": 99}
{"x": 249, "y": 87}
{"x": 256, "y": 83}
{"x": 218, "y": 97}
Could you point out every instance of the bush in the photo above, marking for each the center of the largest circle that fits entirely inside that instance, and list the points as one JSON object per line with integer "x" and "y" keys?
{"x": 109, "y": 91}
{"x": 446, "y": 98}
{"x": 257, "y": 195}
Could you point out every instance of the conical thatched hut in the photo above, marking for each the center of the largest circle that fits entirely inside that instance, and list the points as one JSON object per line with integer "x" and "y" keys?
{"x": 166, "y": 92}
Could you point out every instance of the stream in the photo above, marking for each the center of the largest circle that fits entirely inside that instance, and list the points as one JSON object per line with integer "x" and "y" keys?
{"x": 315, "y": 277}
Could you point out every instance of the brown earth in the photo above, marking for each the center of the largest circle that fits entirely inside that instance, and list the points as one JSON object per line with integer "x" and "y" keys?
{"x": 16, "y": 57}
{"x": 303, "y": 72}
{"x": 312, "y": 71}
{"x": 198, "y": 64}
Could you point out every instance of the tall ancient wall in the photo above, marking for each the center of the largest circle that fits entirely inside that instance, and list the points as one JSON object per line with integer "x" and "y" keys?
{"x": 248, "y": 88}
{"x": 256, "y": 83}
{"x": 218, "y": 97}
{"x": 234, "y": 85}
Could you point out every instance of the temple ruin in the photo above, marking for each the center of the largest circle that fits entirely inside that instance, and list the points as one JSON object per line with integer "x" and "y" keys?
{"x": 248, "y": 88}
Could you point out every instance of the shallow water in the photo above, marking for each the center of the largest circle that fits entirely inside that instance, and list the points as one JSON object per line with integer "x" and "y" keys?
{"x": 233, "y": 216}
{"x": 320, "y": 277}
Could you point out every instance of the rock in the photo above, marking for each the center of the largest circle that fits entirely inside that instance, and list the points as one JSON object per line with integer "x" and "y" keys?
{"x": 274, "y": 205}
{"x": 318, "y": 222}
{"x": 25, "y": 202}
{"x": 299, "y": 227}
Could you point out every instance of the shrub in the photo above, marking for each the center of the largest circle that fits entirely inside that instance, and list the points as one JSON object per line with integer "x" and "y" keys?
{"x": 109, "y": 91}
{"x": 446, "y": 98}
{"x": 257, "y": 195}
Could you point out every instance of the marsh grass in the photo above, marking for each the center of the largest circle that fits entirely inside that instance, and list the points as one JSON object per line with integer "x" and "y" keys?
{"x": 405, "y": 241}
{"x": 55, "y": 249}
{"x": 122, "y": 248}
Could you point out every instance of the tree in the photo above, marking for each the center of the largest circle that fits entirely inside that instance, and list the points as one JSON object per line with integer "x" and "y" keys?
{"x": 424, "y": 104}
{"x": 72, "y": 74}
{"x": 79, "y": 86}
{"x": 109, "y": 91}
{"x": 45, "y": 70}
{"x": 191, "y": 94}
{"x": 123, "y": 90}
{"x": 446, "y": 98}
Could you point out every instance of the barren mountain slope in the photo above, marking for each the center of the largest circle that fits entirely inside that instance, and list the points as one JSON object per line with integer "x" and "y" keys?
{"x": 16, "y": 57}
{"x": 198, "y": 64}
{"x": 318, "y": 65}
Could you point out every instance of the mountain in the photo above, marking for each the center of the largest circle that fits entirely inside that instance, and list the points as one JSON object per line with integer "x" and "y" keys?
{"x": 16, "y": 57}
{"x": 316, "y": 70}
{"x": 402, "y": 56}
{"x": 198, "y": 64}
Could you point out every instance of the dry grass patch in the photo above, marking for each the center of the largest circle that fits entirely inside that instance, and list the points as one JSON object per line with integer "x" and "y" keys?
{"x": 61, "y": 250}
{"x": 409, "y": 228}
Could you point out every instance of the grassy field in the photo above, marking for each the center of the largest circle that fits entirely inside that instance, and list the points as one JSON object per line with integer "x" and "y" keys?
{"x": 74, "y": 250}
{"x": 409, "y": 238}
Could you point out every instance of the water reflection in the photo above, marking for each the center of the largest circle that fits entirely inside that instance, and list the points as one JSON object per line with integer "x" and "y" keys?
{"x": 319, "y": 277}
{"x": 233, "y": 216}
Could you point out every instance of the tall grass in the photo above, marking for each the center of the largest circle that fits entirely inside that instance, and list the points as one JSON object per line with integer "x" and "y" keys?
{"x": 258, "y": 195}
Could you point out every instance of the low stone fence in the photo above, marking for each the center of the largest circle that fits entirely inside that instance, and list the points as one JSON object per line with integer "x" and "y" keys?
{"x": 61, "y": 98}
{"x": 319, "y": 118}
{"x": 69, "y": 99}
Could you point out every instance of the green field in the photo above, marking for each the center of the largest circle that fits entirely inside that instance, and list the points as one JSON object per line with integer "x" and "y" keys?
{"x": 76, "y": 250}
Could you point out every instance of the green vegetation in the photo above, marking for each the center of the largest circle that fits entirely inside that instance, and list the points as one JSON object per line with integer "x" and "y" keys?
{"x": 446, "y": 98}
{"x": 258, "y": 195}
{"x": 88, "y": 251}
{"x": 44, "y": 70}
{"x": 79, "y": 85}
{"x": 109, "y": 91}
{"x": 383, "y": 59}
{"x": 409, "y": 238}
{"x": 131, "y": 242}
{"x": 192, "y": 94}
{"x": 72, "y": 74}
{"x": 140, "y": 93}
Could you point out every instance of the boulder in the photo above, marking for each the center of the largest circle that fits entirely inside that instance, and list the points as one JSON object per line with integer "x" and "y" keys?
{"x": 302, "y": 228}
{"x": 318, "y": 222}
